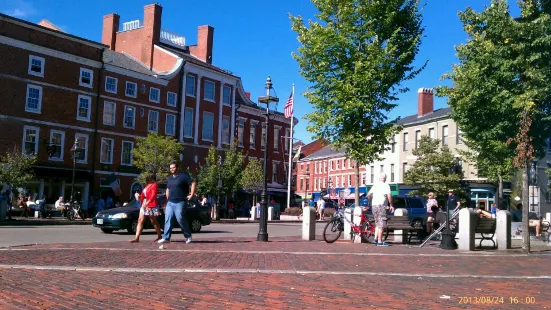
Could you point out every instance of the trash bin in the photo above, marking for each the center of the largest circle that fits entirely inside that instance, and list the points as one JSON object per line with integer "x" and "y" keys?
{"x": 36, "y": 214}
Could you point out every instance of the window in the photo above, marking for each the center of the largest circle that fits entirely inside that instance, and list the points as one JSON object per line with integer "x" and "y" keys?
{"x": 337, "y": 181}
{"x": 404, "y": 168}
{"x": 391, "y": 173}
{"x": 153, "y": 121}
{"x": 316, "y": 167}
{"x": 208, "y": 120}
{"x": 302, "y": 184}
{"x": 36, "y": 66}
{"x": 109, "y": 109}
{"x": 324, "y": 166}
{"x": 382, "y": 169}
{"x": 82, "y": 143}
{"x": 459, "y": 136}
{"x": 274, "y": 171}
{"x": 350, "y": 180}
{"x": 188, "y": 122}
{"x": 226, "y": 129}
{"x": 154, "y": 95}
{"x": 240, "y": 131}
{"x": 372, "y": 176}
{"x": 34, "y": 99}
{"x": 83, "y": 108}
{"x": 444, "y": 135}
{"x": 126, "y": 154}
{"x": 226, "y": 96}
{"x": 170, "y": 124}
{"x": 131, "y": 89}
{"x": 431, "y": 133}
{"x": 417, "y": 138}
{"x": 129, "y": 117}
{"x": 209, "y": 91}
{"x": 276, "y": 139}
{"x": 30, "y": 140}
{"x": 171, "y": 99}
{"x": 252, "y": 135}
{"x": 405, "y": 141}
{"x": 349, "y": 166}
{"x": 415, "y": 203}
{"x": 363, "y": 178}
{"x": 190, "y": 85}
{"x": 106, "y": 156}
{"x": 86, "y": 77}
{"x": 111, "y": 84}
{"x": 393, "y": 145}
{"x": 57, "y": 140}
{"x": 263, "y": 138}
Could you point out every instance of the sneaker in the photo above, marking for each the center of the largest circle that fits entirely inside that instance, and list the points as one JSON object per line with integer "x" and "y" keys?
{"x": 163, "y": 241}
{"x": 375, "y": 241}
{"x": 188, "y": 240}
{"x": 383, "y": 244}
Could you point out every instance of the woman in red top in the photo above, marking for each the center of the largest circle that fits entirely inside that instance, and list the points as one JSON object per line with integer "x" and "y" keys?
{"x": 149, "y": 207}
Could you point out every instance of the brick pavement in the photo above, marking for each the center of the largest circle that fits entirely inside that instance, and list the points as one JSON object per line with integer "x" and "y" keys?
{"x": 240, "y": 273}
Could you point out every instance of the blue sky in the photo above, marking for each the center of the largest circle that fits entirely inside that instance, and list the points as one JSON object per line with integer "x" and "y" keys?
{"x": 253, "y": 38}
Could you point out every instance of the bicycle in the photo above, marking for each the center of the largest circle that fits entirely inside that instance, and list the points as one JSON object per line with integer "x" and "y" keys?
{"x": 365, "y": 229}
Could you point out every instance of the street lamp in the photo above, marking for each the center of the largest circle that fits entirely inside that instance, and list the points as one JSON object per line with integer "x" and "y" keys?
{"x": 448, "y": 236}
{"x": 263, "y": 229}
{"x": 75, "y": 150}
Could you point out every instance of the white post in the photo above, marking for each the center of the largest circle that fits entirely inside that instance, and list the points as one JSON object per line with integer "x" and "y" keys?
{"x": 347, "y": 226}
{"x": 401, "y": 236}
{"x": 357, "y": 221}
{"x": 467, "y": 227}
{"x": 308, "y": 223}
{"x": 289, "y": 170}
{"x": 270, "y": 213}
{"x": 503, "y": 230}
{"x": 253, "y": 213}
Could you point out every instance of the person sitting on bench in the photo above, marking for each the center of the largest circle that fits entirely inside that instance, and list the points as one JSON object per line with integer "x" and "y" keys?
{"x": 436, "y": 216}
{"x": 531, "y": 222}
{"x": 483, "y": 213}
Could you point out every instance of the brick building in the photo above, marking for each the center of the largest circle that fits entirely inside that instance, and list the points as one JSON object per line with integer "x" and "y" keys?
{"x": 57, "y": 88}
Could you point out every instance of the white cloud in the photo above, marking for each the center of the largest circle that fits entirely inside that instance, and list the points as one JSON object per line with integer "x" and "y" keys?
{"x": 18, "y": 8}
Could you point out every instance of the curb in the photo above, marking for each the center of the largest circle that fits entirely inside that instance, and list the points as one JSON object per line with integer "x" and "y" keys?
{"x": 257, "y": 222}
{"x": 54, "y": 222}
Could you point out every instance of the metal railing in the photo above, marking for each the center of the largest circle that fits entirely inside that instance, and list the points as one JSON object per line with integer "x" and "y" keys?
{"x": 131, "y": 25}
{"x": 172, "y": 38}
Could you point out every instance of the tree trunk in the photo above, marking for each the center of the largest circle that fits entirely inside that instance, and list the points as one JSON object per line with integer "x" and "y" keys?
{"x": 357, "y": 184}
{"x": 500, "y": 193}
{"x": 525, "y": 210}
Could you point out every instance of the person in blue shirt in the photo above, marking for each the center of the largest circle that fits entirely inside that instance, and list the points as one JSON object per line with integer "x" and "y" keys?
{"x": 109, "y": 203}
{"x": 100, "y": 205}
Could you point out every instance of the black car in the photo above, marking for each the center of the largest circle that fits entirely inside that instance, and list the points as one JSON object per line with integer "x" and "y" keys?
{"x": 127, "y": 218}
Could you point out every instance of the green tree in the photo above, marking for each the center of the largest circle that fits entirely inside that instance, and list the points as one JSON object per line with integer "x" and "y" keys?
{"x": 432, "y": 172}
{"x": 16, "y": 169}
{"x": 501, "y": 88}
{"x": 355, "y": 58}
{"x": 154, "y": 154}
{"x": 252, "y": 179}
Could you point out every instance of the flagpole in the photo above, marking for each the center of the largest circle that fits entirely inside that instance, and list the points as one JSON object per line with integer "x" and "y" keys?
{"x": 289, "y": 170}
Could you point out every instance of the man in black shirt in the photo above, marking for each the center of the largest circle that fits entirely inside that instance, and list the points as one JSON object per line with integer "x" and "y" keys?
{"x": 177, "y": 196}
{"x": 453, "y": 203}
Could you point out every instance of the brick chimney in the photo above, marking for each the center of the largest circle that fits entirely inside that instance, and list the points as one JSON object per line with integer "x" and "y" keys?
{"x": 151, "y": 32}
{"x": 425, "y": 101}
{"x": 110, "y": 28}
{"x": 203, "y": 49}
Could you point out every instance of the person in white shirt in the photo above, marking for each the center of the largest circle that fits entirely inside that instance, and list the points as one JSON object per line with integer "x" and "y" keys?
{"x": 321, "y": 207}
{"x": 381, "y": 200}
{"x": 60, "y": 205}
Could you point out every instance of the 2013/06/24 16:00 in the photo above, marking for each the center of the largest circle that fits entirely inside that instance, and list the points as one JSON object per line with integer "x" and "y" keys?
{"x": 494, "y": 300}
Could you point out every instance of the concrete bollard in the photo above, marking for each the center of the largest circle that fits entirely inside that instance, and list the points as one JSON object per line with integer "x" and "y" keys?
{"x": 401, "y": 236}
{"x": 347, "y": 226}
{"x": 357, "y": 221}
{"x": 253, "y": 213}
{"x": 503, "y": 230}
{"x": 467, "y": 227}
{"x": 270, "y": 213}
{"x": 308, "y": 223}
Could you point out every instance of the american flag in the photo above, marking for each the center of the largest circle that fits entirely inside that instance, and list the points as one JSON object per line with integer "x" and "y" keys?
{"x": 289, "y": 107}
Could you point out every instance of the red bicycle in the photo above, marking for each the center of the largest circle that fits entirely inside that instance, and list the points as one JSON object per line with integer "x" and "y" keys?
{"x": 333, "y": 230}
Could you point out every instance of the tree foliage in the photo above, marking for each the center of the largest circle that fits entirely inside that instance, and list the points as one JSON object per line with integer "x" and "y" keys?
{"x": 228, "y": 167}
{"x": 432, "y": 171}
{"x": 154, "y": 154}
{"x": 355, "y": 58}
{"x": 16, "y": 168}
{"x": 253, "y": 177}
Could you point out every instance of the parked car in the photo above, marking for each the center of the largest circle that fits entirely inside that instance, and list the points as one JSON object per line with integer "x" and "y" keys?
{"x": 415, "y": 205}
{"x": 127, "y": 217}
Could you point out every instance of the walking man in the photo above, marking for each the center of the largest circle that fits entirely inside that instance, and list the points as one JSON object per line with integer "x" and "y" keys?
{"x": 381, "y": 198}
{"x": 177, "y": 196}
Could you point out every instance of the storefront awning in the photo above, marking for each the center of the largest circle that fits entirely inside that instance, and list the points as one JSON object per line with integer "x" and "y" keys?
{"x": 62, "y": 174}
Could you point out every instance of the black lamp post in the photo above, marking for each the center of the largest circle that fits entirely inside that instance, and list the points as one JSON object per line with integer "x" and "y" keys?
{"x": 75, "y": 150}
{"x": 448, "y": 236}
{"x": 263, "y": 229}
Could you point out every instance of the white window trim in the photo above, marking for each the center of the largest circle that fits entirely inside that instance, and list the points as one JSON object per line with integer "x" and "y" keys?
{"x": 225, "y": 117}
{"x": 87, "y": 119}
{"x": 135, "y": 89}
{"x": 101, "y": 150}
{"x": 192, "y": 120}
{"x": 122, "y": 153}
{"x": 203, "y": 132}
{"x": 62, "y": 148}
{"x": 116, "y": 85}
{"x": 41, "y": 73}
{"x": 173, "y": 125}
{"x": 37, "y": 138}
{"x": 213, "y": 91}
{"x": 91, "y": 78}
{"x": 252, "y": 128}
{"x": 78, "y": 135}
{"x": 39, "y": 109}
{"x": 158, "y": 97}
{"x": 175, "y": 99}
{"x": 114, "y": 113}
{"x": 226, "y": 103}
{"x": 194, "y": 85}
{"x": 124, "y": 117}
{"x": 242, "y": 142}
{"x": 149, "y": 118}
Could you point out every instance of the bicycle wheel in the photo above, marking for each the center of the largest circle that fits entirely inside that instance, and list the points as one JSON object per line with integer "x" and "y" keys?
{"x": 365, "y": 232}
{"x": 71, "y": 215}
{"x": 332, "y": 231}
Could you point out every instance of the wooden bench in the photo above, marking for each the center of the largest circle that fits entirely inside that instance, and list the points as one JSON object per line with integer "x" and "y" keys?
{"x": 402, "y": 223}
{"x": 486, "y": 228}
